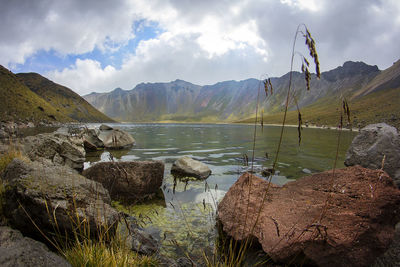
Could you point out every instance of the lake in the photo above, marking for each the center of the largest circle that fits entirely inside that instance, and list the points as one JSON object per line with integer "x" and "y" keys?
{"x": 186, "y": 213}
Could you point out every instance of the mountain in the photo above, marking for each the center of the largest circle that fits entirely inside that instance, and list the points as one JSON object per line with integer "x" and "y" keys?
{"x": 31, "y": 97}
{"x": 372, "y": 95}
{"x": 62, "y": 98}
{"x": 18, "y": 102}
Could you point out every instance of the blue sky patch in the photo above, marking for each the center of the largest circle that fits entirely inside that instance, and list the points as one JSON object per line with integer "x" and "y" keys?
{"x": 44, "y": 61}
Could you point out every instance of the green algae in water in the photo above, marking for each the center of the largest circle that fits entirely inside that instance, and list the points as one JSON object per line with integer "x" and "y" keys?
{"x": 180, "y": 227}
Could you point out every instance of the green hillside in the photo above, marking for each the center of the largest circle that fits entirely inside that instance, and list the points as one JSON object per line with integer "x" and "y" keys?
{"x": 19, "y": 103}
{"x": 62, "y": 98}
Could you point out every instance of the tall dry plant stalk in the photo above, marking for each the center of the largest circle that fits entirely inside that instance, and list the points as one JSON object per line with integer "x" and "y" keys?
{"x": 290, "y": 96}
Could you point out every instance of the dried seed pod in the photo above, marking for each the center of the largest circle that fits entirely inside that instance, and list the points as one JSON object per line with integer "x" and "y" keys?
{"x": 270, "y": 85}
{"x": 299, "y": 127}
{"x": 266, "y": 87}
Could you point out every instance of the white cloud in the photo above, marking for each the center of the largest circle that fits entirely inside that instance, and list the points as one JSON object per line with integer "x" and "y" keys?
{"x": 200, "y": 41}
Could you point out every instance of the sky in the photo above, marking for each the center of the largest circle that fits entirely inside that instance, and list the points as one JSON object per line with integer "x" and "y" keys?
{"x": 99, "y": 45}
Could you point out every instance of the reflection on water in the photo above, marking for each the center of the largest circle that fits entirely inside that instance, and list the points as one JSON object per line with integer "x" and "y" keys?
{"x": 188, "y": 214}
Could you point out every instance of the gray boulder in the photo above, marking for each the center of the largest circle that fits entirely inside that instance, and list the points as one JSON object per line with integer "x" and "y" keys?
{"x": 130, "y": 181}
{"x": 188, "y": 167}
{"x": 54, "y": 197}
{"x": 116, "y": 139}
{"x": 91, "y": 140}
{"x": 105, "y": 127}
{"x": 57, "y": 148}
{"x": 370, "y": 146}
{"x": 17, "y": 250}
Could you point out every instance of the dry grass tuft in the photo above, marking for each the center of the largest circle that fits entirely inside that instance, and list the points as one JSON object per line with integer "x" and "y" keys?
{"x": 115, "y": 254}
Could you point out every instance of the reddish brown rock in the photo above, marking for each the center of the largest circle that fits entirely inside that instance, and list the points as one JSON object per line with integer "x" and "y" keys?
{"x": 129, "y": 181}
{"x": 346, "y": 219}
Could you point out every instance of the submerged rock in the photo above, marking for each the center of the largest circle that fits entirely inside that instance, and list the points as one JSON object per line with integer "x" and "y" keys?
{"x": 188, "y": 167}
{"x": 371, "y": 145}
{"x": 130, "y": 181}
{"x": 343, "y": 220}
{"x": 17, "y": 250}
{"x": 54, "y": 197}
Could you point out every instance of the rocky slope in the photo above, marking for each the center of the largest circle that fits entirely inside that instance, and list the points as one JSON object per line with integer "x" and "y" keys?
{"x": 360, "y": 83}
{"x": 31, "y": 97}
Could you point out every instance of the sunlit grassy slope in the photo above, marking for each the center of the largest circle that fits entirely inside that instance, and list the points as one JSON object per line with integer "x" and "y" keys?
{"x": 62, "y": 98}
{"x": 17, "y": 102}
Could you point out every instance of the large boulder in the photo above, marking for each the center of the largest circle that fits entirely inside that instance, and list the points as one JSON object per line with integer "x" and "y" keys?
{"x": 17, "y": 250}
{"x": 130, "y": 181}
{"x": 116, "y": 139}
{"x": 187, "y": 167}
{"x": 371, "y": 145}
{"x": 54, "y": 199}
{"x": 91, "y": 140}
{"x": 345, "y": 218}
{"x": 58, "y": 148}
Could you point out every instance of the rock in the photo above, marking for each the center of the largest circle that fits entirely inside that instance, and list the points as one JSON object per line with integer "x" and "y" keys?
{"x": 44, "y": 191}
{"x": 91, "y": 140}
{"x": 141, "y": 242}
{"x": 104, "y": 127}
{"x": 186, "y": 166}
{"x": 57, "y": 148}
{"x": 136, "y": 238}
{"x": 392, "y": 256}
{"x": 295, "y": 225}
{"x": 184, "y": 262}
{"x": 306, "y": 171}
{"x": 116, "y": 139}
{"x": 129, "y": 181}
{"x": 370, "y": 146}
{"x": 16, "y": 250}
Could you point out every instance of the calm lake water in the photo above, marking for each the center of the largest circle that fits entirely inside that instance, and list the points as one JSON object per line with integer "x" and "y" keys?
{"x": 181, "y": 217}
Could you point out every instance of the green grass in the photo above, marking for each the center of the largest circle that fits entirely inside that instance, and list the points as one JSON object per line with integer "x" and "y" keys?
{"x": 18, "y": 103}
{"x": 366, "y": 110}
{"x": 62, "y": 98}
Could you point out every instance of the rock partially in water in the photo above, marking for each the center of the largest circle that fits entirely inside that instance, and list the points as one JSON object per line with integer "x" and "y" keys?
{"x": 296, "y": 226}
{"x": 105, "y": 127}
{"x": 140, "y": 241}
{"x": 188, "y": 167}
{"x": 129, "y": 181}
{"x": 116, "y": 139}
{"x": 38, "y": 192}
{"x": 57, "y": 148}
{"x": 371, "y": 145}
{"x": 17, "y": 250}
{"x": 91, "y": 140}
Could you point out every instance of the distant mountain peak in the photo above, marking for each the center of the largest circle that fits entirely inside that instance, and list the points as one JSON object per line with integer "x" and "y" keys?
{"x": 350, "y": 69}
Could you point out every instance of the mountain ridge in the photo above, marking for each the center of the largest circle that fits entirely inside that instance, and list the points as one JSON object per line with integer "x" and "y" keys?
{"x": 230, "y": 101}
{"x": 29, "y": 97}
